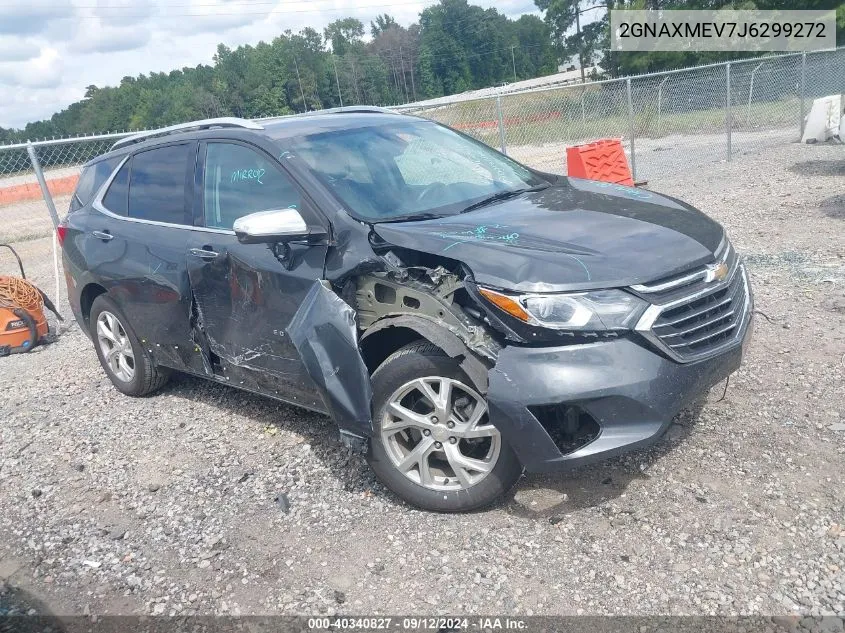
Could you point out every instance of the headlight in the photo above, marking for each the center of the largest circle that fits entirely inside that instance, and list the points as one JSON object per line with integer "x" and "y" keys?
{"x": 582, "y": 311}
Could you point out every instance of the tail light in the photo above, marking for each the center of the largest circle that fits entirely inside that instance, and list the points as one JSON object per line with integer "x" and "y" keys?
{"x": 61, "y": 231}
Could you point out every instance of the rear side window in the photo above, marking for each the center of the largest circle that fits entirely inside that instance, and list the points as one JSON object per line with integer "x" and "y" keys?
{"x": 157, "y": 184}
{"x": 91, "y": 180}
{"x": 117, "y": 197}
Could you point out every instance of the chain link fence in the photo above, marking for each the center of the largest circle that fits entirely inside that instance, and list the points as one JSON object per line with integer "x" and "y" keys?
{"x": 25, "y": 211}
{"x": 37, "y": 180}
{"x": 668, "y": 122}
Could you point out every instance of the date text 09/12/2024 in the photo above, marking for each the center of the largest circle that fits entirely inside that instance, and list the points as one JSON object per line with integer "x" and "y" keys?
{"x": 476, "y": 623}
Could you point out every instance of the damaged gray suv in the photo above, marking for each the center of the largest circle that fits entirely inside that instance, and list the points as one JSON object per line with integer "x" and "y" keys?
{"x": 460, "y": 316}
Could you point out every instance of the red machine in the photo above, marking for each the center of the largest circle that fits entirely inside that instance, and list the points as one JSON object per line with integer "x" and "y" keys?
{"x": 23, "y": 324}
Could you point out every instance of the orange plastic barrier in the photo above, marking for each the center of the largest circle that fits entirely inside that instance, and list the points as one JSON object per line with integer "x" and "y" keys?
{"x": 31, "y": 190}
{"x": 602, "y": 160}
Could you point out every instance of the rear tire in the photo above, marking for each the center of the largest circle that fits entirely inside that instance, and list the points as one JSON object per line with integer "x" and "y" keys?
{"x": 432, "y": 441}
{"x": 123, "y": 358}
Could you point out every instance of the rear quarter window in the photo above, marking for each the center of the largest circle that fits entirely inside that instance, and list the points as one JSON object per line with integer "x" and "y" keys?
{"x": 116, "y": 199}
{"x": 157, "y": 184}
{"x": 92, "y": 178}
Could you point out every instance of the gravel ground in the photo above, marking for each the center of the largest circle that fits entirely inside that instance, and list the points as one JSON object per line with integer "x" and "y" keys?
{"x": 203, "y": 499}
{"x": 668, "y": 155}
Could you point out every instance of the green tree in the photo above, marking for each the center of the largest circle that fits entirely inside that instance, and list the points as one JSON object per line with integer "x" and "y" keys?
{"x": 455, "y": 46}
{"x": 381, "y": 24}
{"x": 342, "y": 33}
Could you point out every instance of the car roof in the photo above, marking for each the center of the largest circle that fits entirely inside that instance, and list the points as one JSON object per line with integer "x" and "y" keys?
{"x": 316, "y": 123}
{"x": 274, "y": 129}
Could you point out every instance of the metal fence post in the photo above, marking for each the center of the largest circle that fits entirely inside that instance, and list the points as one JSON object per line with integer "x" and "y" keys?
{"x": 802, "y": 85}
{"x": 45, "y": 192}
{"x": 48, "y": 200}
{"x": 728, "y": 107}
{"x": 751, "y": 92}
{"x": 583, "y": 109}
{"x": 631, "y": 127}
{"x": 501, "y": 125}
{"x": 660, "y": 103}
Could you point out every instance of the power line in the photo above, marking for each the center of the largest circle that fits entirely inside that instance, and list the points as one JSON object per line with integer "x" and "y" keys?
{"x": 196, "y": 4}
{"x": 129, "y": 6}
{"x": 165, "y": 14}
{"x": 169, "y": 4}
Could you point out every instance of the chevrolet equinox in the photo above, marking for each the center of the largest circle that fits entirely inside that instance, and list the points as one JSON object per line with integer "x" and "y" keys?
{"x": 460, "y": 316}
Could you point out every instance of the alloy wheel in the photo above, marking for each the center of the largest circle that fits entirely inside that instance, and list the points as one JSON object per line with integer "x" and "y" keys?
{"x": 115, "y": 346}
{"x": 436, "y": 432}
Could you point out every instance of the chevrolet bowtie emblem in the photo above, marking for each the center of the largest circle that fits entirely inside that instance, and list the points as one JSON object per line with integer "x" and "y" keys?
{"x": 716, "y": 272}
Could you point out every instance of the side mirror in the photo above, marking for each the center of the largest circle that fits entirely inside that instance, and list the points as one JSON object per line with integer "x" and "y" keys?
{"x": 278, "y": 225}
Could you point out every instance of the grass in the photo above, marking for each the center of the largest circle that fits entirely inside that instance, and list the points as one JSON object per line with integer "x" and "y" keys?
{"x": 13, "y": 238}
{"x": 545, "y": 117}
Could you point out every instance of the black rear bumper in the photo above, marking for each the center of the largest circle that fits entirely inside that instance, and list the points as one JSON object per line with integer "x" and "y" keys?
{"x": 630, "y": 391}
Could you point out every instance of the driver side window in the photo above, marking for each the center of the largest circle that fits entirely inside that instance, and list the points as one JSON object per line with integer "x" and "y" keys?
{"x": 240, "y": 181}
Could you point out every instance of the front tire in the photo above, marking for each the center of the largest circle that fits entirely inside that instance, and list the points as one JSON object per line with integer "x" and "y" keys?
{"x": 121, "y": 355}
{"x": 433, "y": 444}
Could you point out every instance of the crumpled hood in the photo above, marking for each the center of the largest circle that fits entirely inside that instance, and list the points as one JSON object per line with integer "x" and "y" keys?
{"x": 577, "y": 235}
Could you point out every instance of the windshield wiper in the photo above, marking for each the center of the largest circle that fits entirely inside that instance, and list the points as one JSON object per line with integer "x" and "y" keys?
{"x": 502, "y": 195}
{"x": 410, "y": 216}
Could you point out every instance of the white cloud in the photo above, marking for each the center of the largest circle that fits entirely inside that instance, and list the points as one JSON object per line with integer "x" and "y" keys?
{"x": 17, "y": 49}
{"x": 214, "y": 15}
{"x": 44, "y": 71}
{"x": 61, "y": 46}
{"x": 104, "y": 38}
{"x": 33, "y": 16}
{"x": 117, "y": 12}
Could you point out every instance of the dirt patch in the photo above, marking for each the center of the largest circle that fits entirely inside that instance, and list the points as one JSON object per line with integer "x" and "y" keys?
{"x": 834, "y": 207}
{"x": 820, "y": 167}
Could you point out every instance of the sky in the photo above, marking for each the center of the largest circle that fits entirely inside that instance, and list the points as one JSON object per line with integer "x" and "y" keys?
{"x": 50, "y": 50}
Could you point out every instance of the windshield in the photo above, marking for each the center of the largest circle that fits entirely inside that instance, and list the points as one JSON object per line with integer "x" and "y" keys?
{"x": 408, "y": 169}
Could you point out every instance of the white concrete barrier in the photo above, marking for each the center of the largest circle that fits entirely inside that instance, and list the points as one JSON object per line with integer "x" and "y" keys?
{"x": 823, "y": 122}
{"x": 842, "y": 128}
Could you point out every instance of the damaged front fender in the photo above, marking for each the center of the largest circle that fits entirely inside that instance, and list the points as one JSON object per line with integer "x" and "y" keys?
{"x": 324, "y": 332}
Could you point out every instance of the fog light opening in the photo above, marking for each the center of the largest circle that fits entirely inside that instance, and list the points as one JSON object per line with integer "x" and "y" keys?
{"x": 569, "y": 426}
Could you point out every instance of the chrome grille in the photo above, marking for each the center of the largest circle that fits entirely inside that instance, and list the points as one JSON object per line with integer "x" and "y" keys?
{"x": 705, "y": 319}
{"x": 668, "y": 290}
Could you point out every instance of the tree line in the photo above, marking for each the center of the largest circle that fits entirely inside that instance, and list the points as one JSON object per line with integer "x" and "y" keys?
{"x": 453, "y": 47}
{"x": 591, "y": 42}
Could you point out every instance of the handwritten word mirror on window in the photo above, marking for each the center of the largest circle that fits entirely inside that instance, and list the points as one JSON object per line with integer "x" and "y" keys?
{"x": 240, "y": 181}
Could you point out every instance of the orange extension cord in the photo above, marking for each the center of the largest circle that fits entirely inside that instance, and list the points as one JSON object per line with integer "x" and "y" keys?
{"x": 19, "y": 293}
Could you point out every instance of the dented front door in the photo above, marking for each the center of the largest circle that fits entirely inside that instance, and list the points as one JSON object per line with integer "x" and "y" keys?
{"x": 245, "y": 295}
{"x": 244, "y": 301}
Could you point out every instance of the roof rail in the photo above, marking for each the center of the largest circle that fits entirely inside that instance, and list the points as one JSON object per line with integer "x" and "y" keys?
{"x": 355, "y": 108}
{"x": 204, "y": 124}
{"x": 341, "y": 110}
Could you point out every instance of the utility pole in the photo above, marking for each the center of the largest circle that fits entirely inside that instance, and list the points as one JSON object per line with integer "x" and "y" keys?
{"x": 339, "y": 94}
{"x": 404, "y": 78}
{"x": 301, "y": 91}
{"x": 580, "y": 43}
{"x": 513, "y": 59}
{"x": 393, "y": 68}
{"x": 414, "y": 88}
{"x": 355, "y": 81}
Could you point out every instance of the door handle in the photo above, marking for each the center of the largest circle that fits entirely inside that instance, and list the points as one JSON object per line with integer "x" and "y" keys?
{"x": 203, "y": 253}
{"x": 102, "y": 235}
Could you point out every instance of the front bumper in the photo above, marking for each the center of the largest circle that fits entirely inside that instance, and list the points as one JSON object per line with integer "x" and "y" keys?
{"x": 630, "y": 391}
